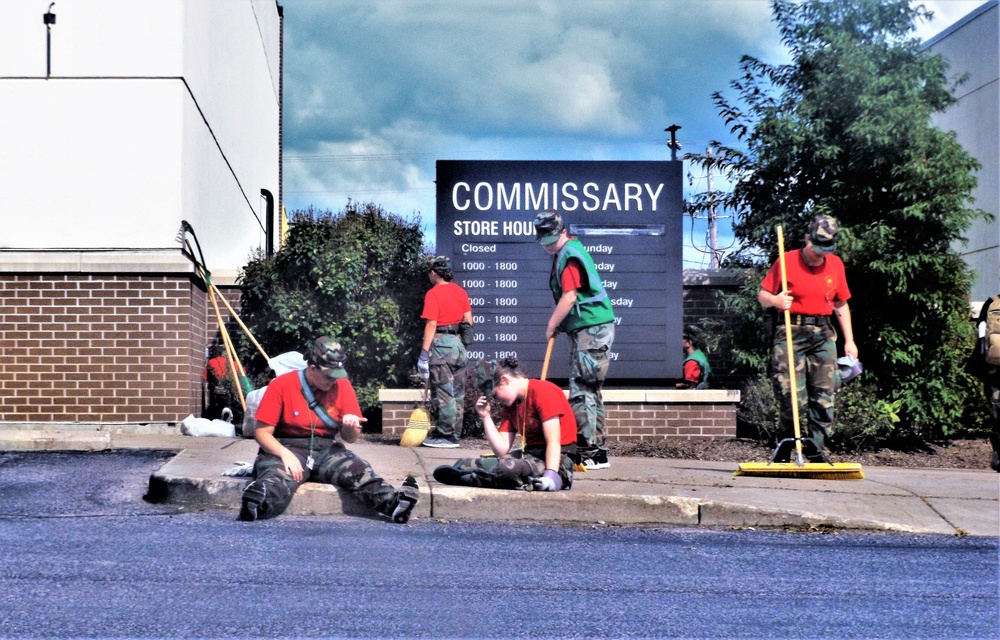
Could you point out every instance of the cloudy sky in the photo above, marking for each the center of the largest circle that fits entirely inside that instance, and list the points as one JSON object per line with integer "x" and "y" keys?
{"x": 377, "y": 90}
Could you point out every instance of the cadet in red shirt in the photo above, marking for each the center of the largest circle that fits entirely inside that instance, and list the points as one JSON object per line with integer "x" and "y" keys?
{"x": 298, "y": 421}
{"x": 538, "y": 411}
{"x": 442, "y": 356}
{"x": 817, "y": 289}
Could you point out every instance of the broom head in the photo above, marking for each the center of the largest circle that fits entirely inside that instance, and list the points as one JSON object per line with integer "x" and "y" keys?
{"x": 812, "y": 470}
{"x": 416, "y": 428}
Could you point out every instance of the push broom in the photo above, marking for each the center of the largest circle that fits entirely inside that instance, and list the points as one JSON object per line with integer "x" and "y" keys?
{"x": 799, "y": 468}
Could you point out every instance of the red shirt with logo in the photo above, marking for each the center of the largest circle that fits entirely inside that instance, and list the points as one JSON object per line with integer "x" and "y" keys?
{"x": 285, "y": 408}
{"x": 543, "y": 401}
{"x": 813, "y": 289}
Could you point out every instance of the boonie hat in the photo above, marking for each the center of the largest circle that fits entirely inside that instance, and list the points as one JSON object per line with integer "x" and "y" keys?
{"x": 823, "y": 232}
{"x": 327, "y": 354}
{"x": 548, "y": 226}
{"x": 849, "y": 368}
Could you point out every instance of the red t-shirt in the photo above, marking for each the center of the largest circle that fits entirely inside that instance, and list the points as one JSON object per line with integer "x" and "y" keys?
{"x": 219, "y": 368}
{"x": 571, "y": 277}
{"x": 446, "y": 303}
{"x": 285, "y": 408}
{"x": 692, "y": 371}
{"x": 543, "y": 401}
{"x": 814, "y": 289}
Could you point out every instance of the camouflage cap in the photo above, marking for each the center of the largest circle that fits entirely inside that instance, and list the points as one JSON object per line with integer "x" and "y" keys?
{"x": 548, "y": 226}
{"x": 483, "y": 373}
{"x": 439, "y": 263}
{"x": 823, "y": 232}
{"x": 327, "y": 354}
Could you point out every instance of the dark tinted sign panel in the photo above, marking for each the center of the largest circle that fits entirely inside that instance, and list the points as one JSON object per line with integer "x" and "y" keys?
{"x": 627, "y": 214}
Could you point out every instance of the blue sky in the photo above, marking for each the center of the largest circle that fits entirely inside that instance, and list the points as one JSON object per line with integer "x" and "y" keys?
{"x": 377, "y": 91}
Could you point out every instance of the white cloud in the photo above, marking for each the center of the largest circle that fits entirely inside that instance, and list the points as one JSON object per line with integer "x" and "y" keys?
{"x": 376, "y": 91}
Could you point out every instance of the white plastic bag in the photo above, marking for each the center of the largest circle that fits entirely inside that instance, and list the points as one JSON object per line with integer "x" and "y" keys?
{"x": 249, "y": 419}
{"x": 191, "y": 426}
{"x": 288, "y": 361}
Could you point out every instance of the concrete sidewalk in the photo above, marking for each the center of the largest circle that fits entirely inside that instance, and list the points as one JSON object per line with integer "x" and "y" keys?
{"x": 632, "y": 491}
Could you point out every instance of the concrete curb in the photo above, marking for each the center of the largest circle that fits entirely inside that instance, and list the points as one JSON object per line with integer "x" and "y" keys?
{"x": 635, "y": 491}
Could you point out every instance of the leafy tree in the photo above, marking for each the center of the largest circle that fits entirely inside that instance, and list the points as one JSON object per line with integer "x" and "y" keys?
{"x": 844, "y": 129}
{"x": 357, "y": 275}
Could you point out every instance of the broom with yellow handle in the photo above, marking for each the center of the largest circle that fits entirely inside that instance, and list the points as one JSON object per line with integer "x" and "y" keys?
{"x": 419, "y": 422}
{"x": 799, "y": 468}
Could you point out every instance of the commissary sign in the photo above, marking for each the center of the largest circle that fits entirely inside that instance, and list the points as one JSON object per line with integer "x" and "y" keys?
{"x": 627, "y": 214}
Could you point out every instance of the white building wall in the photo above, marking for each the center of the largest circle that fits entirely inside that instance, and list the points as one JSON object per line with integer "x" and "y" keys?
{"x": 156, "y": 111}
{"x": 972, "y": 46}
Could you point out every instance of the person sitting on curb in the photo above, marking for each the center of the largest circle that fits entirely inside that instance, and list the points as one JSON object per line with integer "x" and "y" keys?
{"x": 536, "y": 410}
{"x": 298, "y": 421}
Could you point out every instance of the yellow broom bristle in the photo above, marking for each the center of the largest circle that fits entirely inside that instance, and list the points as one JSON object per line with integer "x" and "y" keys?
{"x": 810, "y": 470}
{"x": 416, "y": 429}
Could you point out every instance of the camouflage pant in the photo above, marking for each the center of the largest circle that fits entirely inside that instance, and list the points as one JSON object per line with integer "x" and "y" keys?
{"x": 588, "y": 361}
{"x": 992, "y": 387}
{"x": 513, "y": 472}
{"x": 817, "y": 379}
{"x": 447, "y": 386}
{"x": 333, "y": 464}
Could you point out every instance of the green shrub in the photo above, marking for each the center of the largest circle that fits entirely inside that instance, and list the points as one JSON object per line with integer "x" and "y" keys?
{"x": 757, "y": 412}
{"x": 864, "y": 420}
{"x": 357, "y": 275}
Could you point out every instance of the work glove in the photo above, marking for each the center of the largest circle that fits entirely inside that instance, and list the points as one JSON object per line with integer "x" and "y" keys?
{"x": 424, "y": 365}
{"x": 241, "y": 469}
{"x": 550, "y": 481}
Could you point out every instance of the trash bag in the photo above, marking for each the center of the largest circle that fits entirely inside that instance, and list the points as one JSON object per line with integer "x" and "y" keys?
{"x": 192, "y": 426}
{"x": 249, "y": 416}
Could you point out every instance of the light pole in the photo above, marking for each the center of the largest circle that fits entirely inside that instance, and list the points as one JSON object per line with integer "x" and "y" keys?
{"x": 49, "y": 19}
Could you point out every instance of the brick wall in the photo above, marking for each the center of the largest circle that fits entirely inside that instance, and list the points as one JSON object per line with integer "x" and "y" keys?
{"x": 702, "y": 291}
{"x": 632, "y": 414}
{"x": 101, "y": 347}
{"x": 98, "y": 339}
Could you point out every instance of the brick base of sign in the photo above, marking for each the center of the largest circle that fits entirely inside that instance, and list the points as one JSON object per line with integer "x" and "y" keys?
{"x": 633, "y": 414}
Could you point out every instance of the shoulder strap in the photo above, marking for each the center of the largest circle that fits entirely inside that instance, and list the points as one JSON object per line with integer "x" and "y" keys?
{"x": 324, "y": 417}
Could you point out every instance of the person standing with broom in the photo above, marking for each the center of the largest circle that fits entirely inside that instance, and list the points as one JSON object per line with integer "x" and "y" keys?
{"x": 447, "y": 313}
{"x": 817, "y": 289}
{"x": 583, "y": 310}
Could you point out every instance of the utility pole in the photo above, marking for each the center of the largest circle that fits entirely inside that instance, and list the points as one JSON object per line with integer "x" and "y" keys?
{"x": 49, "y": 19}
{"x": 673, "y": 144}
{"x": 713, "y": 238}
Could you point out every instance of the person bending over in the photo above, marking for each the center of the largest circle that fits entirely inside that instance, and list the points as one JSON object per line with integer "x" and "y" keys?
{"x": 536, "y": 410}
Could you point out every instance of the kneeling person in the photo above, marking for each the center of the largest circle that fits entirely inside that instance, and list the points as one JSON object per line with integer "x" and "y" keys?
{"x": 539, "y": 412}
{"x": 298, "y": 420}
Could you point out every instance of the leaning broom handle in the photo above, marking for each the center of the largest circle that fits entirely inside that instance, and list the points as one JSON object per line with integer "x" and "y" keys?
{"x": 791, "y": 355}
{"x": 230, "y": 351}
{"x": 242, "y": 326}
{"x": 548, "y": 356}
